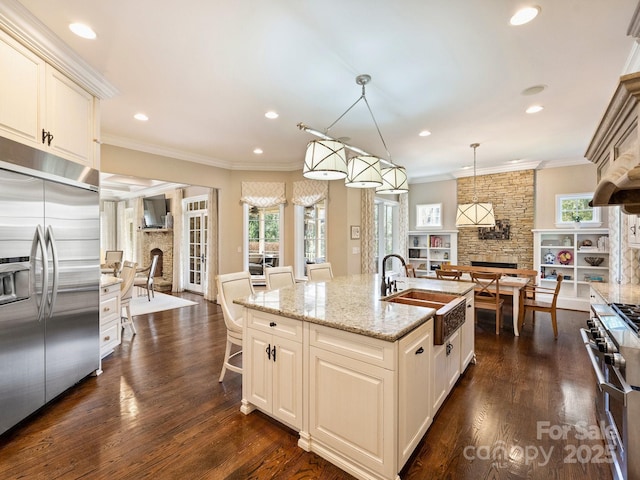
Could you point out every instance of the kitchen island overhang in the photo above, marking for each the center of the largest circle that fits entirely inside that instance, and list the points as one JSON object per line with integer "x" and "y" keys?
{"x": 358, "y": 377}
{"x": 353, "y": 303}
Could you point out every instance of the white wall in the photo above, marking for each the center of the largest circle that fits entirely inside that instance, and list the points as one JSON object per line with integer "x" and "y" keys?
{"x": 444, "y": 192}
{"x": 562, "y": 180}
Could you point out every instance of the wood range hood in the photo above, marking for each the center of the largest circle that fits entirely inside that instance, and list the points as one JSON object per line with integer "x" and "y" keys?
{"x": 614, "y": 149}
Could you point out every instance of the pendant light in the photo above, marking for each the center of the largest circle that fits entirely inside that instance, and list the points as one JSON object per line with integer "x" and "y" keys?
{"x": 394, "y": 180}
{"x": 325, "y": 160}
{"x": 475, "y": 214}
{"x": 362, "y": 170}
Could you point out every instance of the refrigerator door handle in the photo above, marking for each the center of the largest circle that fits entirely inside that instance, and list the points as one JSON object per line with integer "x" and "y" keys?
{"x": 50, "y": 239}
{"x": 38, "y": 241}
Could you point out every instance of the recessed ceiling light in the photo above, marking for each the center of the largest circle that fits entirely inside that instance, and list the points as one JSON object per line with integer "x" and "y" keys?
{"x": 534, "y": 109}
{"x": 82, "y": 30}
{"x": 517, "y": 160}
{"x": 534, "y": 90}
{"x": 141, "y": 116}
{"x": 424, "y": 133}
{"x": 467, "y": 167}
{"x": 271, "y": 115}
{"x": 524, "y": 15}
{"x": 257, "y": 151}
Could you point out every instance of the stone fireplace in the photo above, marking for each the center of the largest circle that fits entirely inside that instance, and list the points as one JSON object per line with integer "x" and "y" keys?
{"x": 513, "y": 197}
{"x": 158, "y": 242}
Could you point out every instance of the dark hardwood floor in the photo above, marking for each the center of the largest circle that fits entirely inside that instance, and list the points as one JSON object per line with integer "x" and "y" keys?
{"x": 159, "y": 412}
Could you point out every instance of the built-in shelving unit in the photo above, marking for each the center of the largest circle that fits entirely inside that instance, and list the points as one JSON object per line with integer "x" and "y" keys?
{"x": 565, "y": 252}
{"x": 427, "y": 251}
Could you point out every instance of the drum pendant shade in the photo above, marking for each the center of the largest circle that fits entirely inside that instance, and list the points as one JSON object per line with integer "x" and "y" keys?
{"x": 325, "y": 160}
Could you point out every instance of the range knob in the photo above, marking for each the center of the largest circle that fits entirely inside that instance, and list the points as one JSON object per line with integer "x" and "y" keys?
{"x": 614, "y": 359}
{"x": 591, "y": 323}
{"x": 602, "y": 345}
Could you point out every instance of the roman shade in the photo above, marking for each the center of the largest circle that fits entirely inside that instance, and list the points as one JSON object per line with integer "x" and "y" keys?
{"x": 263, "y": 194}
{"x": 307, "y": 193}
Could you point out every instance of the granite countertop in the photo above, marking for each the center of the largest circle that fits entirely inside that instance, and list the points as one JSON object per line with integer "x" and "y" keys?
{"x": 352, "y": 303}
{"x": 614, "y": 293}
{"x": 108, "y": 280}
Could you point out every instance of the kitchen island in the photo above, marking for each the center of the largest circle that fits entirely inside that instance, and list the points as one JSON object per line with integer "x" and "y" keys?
{"x": 359, "y": 377}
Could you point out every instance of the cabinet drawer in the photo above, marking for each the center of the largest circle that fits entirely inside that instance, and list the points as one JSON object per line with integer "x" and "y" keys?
{"x": 111, "y": 290}
{"x": 276, "y": 325}
{"x": 109, "y": 336}
{"x": 358, "y": 347}
{"x": 109, "y": 309}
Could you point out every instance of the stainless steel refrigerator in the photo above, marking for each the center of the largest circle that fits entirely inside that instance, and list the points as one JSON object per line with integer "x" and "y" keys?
{"x": 49, "y": 278}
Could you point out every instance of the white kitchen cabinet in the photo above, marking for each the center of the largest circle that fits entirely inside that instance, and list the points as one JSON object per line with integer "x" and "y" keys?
{"x": 353, "y": 408}
{"x": 446, "y": 368}
{"x": 273, "y": 381}
{"x": 69, "y": 118}
{"x": 564, "y": 251}
{"x": 42, "y": 108}
{"x": 414, "y": 389}
{"x": 427, "y": 251}
{"x": 21, "y": 89}
{"x": 468, "y": 334}
{"x": 110, "y": 310}
{"x": 633, "y": 231}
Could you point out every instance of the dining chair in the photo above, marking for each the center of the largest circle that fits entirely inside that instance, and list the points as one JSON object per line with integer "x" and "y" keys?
{"x": 410, "y": 270}
{"x": 448, "y": 274}
{"x": 487, "y": 295}
{"x": 112, "y": 262}
{"x": 278, "y": 277}
{"x": 319, "y": 272}
{"x": 128, "y": 276}
{"x": 232, "y": 286}
{"x": 529, "y": 301}
{"x": 147, "y": 281}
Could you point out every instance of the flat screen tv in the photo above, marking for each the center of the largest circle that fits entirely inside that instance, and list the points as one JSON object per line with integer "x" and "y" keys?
{"x": 155, "y": 211}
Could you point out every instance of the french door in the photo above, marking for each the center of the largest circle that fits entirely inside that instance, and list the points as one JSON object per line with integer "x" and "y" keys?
{"x": 196, "y": 223}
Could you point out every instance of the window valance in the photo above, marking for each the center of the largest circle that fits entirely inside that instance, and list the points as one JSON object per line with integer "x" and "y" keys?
{"x": 263, "y": 194}
{"x": 309, "y": 192}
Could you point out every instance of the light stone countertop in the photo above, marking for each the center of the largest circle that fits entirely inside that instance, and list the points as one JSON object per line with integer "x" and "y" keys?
{"x": 352, "y": 303}
{"x": 614, "y": 293}
{"x": 108, "y": 280}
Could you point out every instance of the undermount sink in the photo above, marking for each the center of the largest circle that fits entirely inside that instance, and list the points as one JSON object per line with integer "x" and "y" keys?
{"x": 450, "y": 310}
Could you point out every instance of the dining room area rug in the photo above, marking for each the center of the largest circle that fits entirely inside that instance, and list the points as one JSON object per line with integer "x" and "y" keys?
{"x": 160, "y": 302}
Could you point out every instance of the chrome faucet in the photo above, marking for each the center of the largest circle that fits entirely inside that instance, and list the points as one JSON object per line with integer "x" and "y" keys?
{"x": 385, "y": 287}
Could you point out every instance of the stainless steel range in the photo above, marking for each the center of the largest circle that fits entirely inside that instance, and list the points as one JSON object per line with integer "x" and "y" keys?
{"x": 613, "y": 346}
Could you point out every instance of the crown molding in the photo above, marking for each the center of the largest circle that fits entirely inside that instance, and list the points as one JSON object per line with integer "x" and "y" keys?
{"x": 27, "y": 29}
{"x": 513, "y": 167}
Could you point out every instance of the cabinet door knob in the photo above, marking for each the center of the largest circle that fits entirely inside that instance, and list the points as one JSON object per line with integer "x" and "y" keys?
{"x": 107, "y": 338}
{"x": 268, "y": 350}
{"x": 419, "y": 351}
{"x": 273, "y": 324}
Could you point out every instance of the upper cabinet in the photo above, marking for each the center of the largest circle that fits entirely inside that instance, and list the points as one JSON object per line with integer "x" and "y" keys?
{"x": 68, "y": 127}
{"x": 21, "y": 89}
{"x": 41, "y": 107}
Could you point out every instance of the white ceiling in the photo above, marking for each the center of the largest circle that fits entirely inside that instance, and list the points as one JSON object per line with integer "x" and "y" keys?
{"x": 206, "y": 71}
